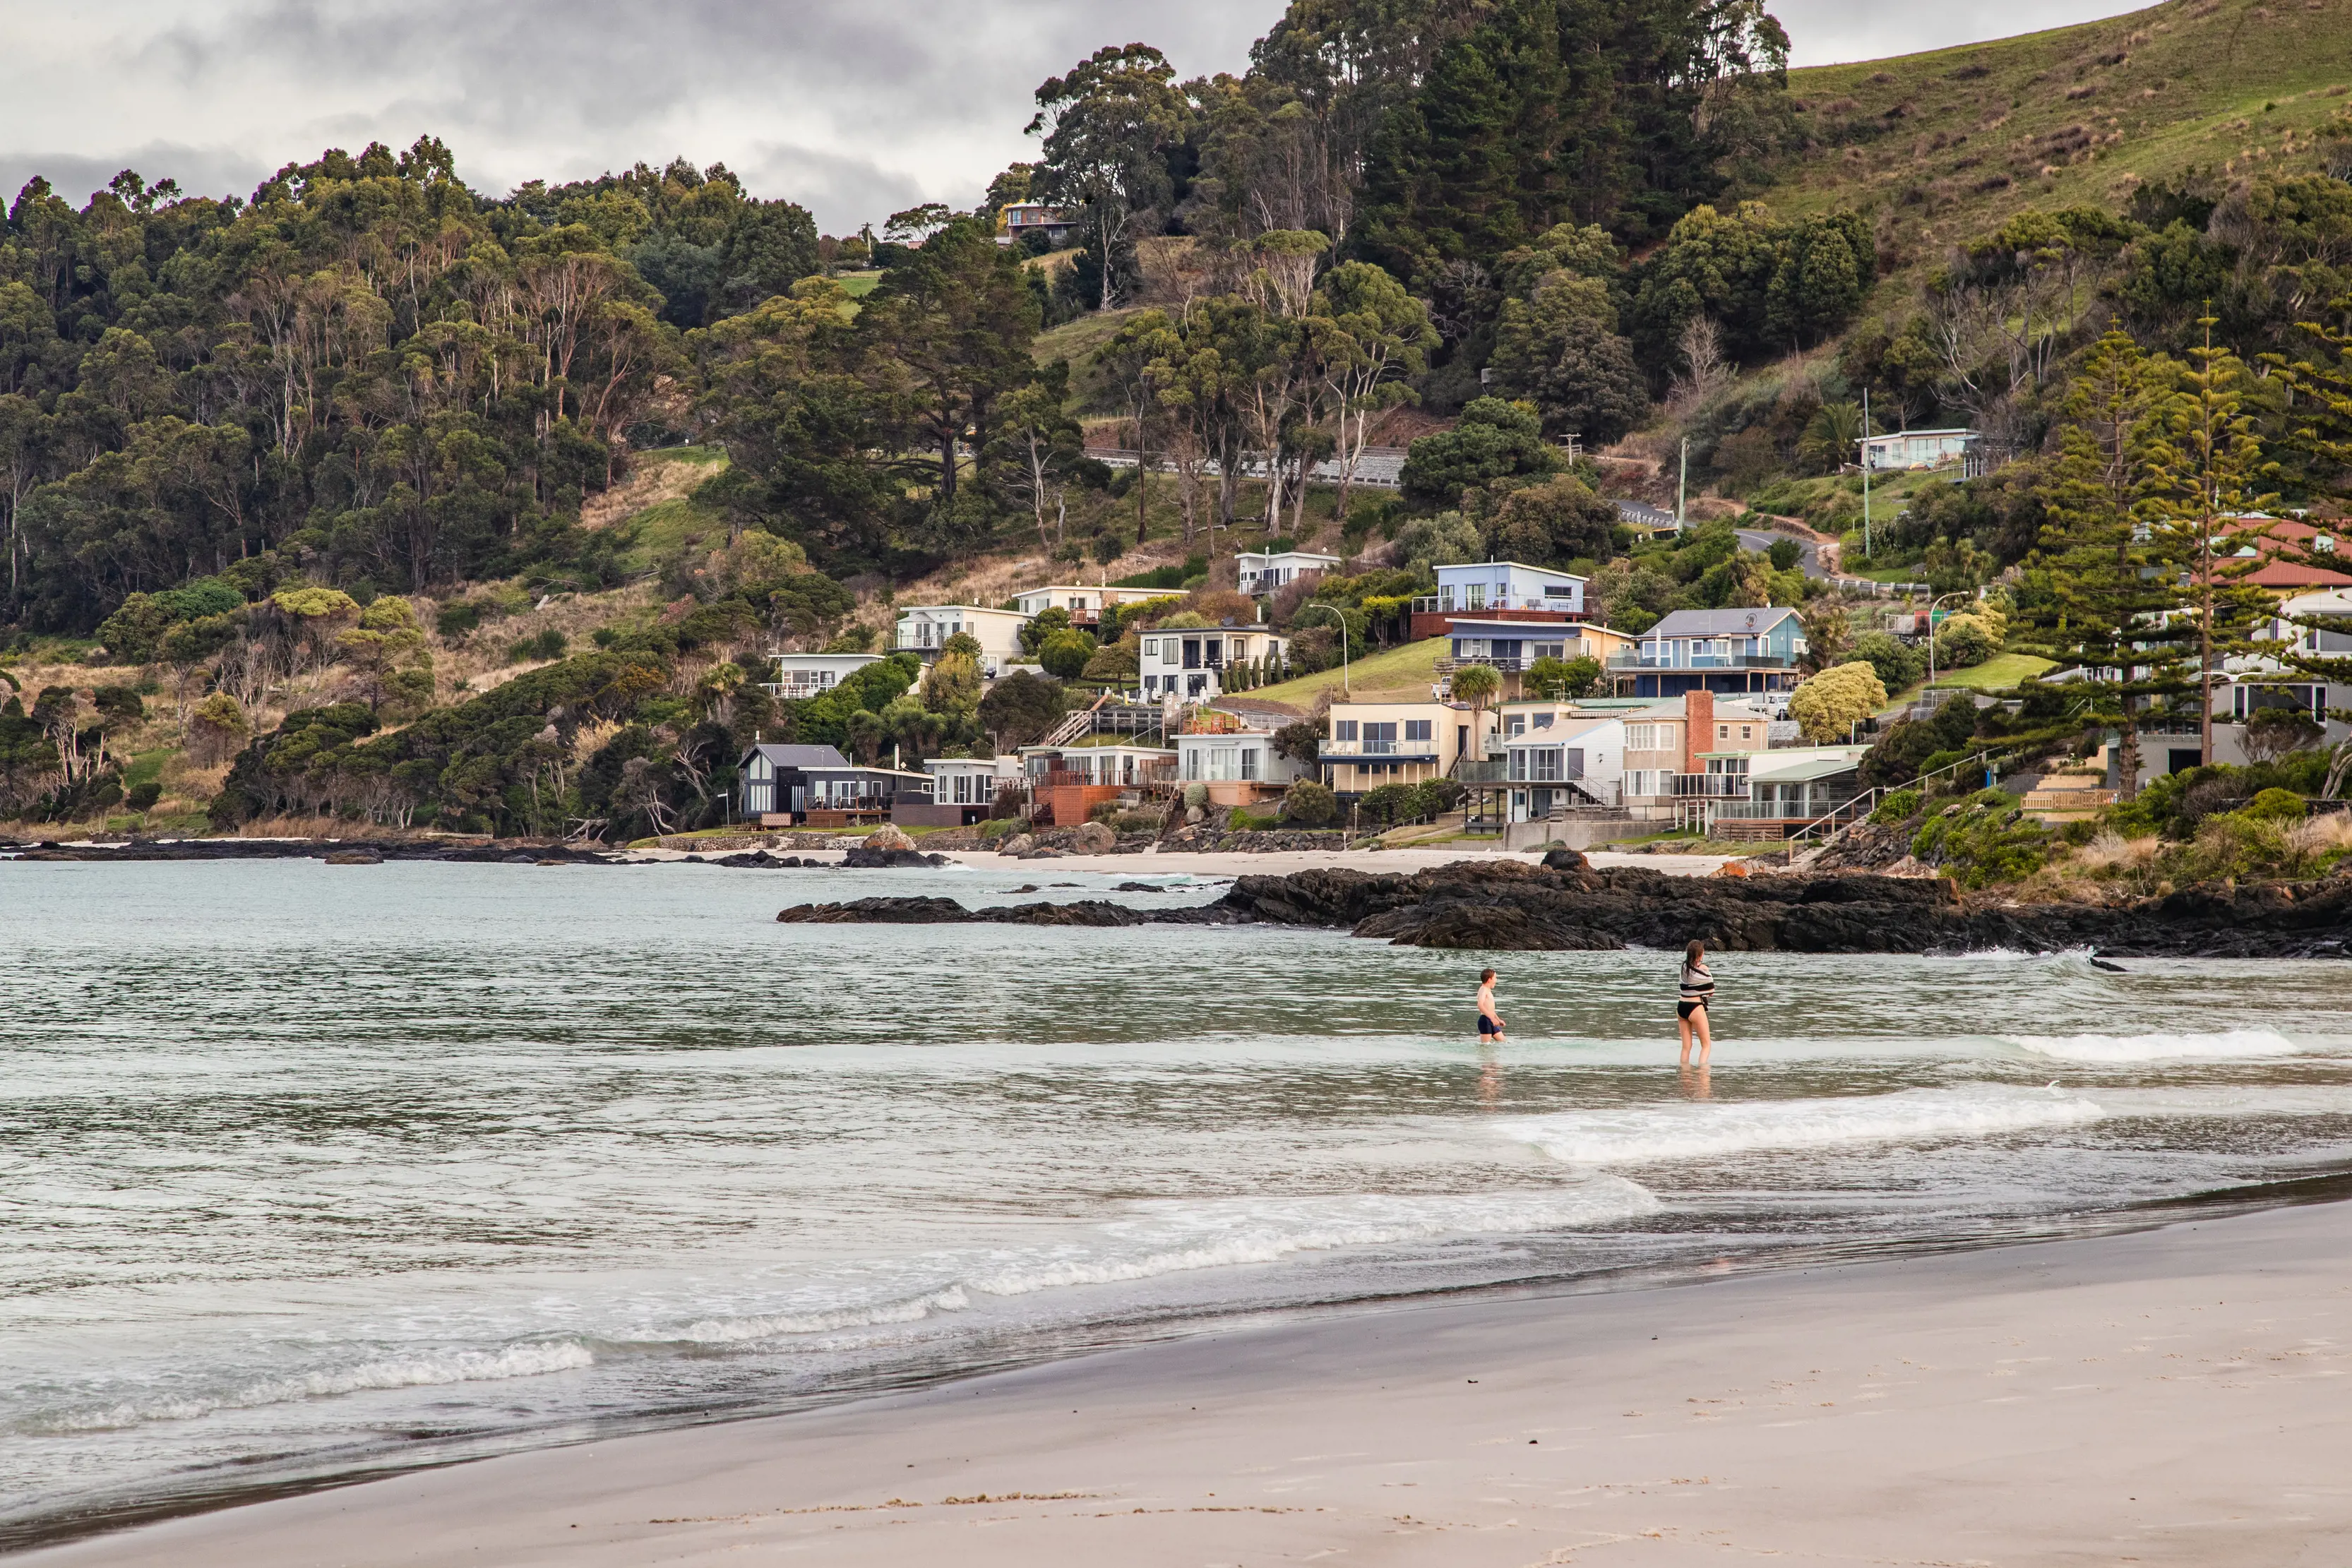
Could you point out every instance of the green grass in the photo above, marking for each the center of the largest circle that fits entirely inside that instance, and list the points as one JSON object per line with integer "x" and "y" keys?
{"x": 1077, "y": 340}
{"x": 147, "y": 767}
{"x": 1997, "y": 673}
{"x": 666, "y": 525}
{"x": 1953, "y": 142}
{"x": 857, "y": 284}
{"x": 699, "y": 455}
{"x": 1398, "y": 675}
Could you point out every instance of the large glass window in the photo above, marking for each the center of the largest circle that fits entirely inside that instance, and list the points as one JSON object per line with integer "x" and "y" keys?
{"x": 1416, "y": 729}
{"x": 1249, "y": 762}
{"x": 1546, "y": 764}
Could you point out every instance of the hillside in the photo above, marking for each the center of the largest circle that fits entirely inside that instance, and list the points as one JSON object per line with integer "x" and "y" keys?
{"x": 1948, "y": 144}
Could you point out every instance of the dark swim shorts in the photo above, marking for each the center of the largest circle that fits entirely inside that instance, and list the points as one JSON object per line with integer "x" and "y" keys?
{"x": 1487, "y": 1025}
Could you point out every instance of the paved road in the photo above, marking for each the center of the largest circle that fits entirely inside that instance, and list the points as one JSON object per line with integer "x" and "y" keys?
{"x": 1760, "y": 540}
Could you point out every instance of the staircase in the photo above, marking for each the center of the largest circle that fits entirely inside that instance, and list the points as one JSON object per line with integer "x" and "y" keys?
{"x": 2068, "y": 797}
{"x": 1075, "y": 727}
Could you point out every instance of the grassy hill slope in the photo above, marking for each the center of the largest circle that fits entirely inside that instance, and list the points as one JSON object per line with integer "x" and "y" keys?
{"x": 1951, "y": 144}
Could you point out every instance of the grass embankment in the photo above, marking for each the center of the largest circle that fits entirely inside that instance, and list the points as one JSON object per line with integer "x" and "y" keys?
{"x": 1397, "y": 675}
{"x": 1953, "y": 142}
{"x": 1997, "y": 673}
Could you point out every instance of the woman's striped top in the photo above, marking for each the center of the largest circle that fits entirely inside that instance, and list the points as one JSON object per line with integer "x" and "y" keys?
{"x": 1698, "y": 984}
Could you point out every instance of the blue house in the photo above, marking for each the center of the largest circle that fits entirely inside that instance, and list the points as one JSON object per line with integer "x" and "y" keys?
{"x": 1730, "y": 651}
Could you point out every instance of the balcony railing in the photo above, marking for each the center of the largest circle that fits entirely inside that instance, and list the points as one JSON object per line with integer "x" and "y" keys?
{"x": 1415, "y": 750}
{"x": 1648, "y": 659}
{"x": 1805, "y": 810}
{"x": 1441, "y": 605}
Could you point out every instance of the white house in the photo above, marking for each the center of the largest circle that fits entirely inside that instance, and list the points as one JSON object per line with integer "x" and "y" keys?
{"x": 1085, "y": 604}
{"x": 806, "y": 674}
{"x": 968, "y": 785}
{"x": 923, "y": 630}
{"x": 1475, "y": 586}
{"x": 1233, "y": 755}
{"x": 1263, "y": 571}
{"x": 1558, "y": 758}
{"x": 1917, "y": 448}
{"x": 1189, "y": 663}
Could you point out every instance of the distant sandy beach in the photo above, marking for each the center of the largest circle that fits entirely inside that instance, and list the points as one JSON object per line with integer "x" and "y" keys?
{"x": 2164, "y": 1397}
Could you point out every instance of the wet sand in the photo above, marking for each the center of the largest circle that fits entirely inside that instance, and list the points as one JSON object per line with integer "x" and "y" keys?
{"x": 2164, "y": 1396}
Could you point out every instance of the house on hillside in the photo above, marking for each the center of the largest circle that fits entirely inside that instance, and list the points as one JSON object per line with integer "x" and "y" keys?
{"x": 1016, "y": 221}
{"x": 1791, "y": 788}
{"x": 1920, "y": 448}
{"x": 2276, "y": 553}
{"x": 806, "y": 674}
{"x": 1375, "y": 743}
{"x": 1510, "y": 647}
{"x": 924, "y": 629}
{"x": 1263, "y": 571}
{"x": 815, "y": 786}
{"x": 1085, "y": 604}
{"x": 1722, "y": 651}
{"x": 1189, "y": 662}
{"x": 1498, "y": 590}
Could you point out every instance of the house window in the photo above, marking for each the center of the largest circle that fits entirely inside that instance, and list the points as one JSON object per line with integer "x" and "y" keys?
{"x": 1222, "y": 765}
{"x": 1416, "y": 729}
{"x": 1546, "y": 765}
{"x": 1343, "y": 729}
{"x": 1550, "y": 650}
{"x": 1380, "y": 737}
{"x": 1191, "y": 653}
{"x": 1152, "y": 647}
{"x": 1518, "y": 766}
{"x": 1249, "y": 762}
{"x": 1543, "y": 721}
{"x": 1746, "y": 732}
{"x": 1515, "y": 725}
{"x": 1647, "y": 738}
{"x": 761, "y": 769}
{"x": 1477, "y": 595}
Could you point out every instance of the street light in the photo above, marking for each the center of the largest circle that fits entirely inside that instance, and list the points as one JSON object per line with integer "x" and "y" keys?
{"x": 1345, "y": 689}
{"x": 1958, "y": 593}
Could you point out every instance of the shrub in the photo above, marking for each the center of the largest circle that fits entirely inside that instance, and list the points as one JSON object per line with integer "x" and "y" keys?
{"x": 547, "y": 644}
{"x": 1900, "y": 665}
{"x": 1983, "y": 840}
{"x": 1102, "y": 811}
{"x": 2275, "y": 805}
{"x": 142, "y": 797}
{"x": 1064, "y": 654}
{"x": 1963, "y": 640}
{"x": 1139, "y": 823}
{"x": 1898, "y": 806}
{"x": 1829, "y": 706}
{"x": 1389, "y": 804}
{"x": 1307, "y": 804}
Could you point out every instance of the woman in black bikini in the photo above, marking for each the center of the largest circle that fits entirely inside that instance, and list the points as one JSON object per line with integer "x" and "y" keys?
{"x": 1697, "y": 990}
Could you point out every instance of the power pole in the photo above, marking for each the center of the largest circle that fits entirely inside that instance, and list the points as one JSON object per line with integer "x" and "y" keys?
{"x": 1682, "y": 484}
{"x": 1862, "y": 452}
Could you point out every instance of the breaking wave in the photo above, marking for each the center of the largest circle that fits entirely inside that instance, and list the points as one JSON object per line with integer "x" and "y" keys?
{"x": 1638, "y": 1134}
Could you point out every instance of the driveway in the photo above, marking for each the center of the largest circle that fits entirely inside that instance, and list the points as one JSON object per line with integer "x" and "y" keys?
{"x": 1761, "y": 541}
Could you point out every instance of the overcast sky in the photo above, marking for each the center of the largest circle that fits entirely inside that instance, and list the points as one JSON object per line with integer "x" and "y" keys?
{"x": 855, "y": 107}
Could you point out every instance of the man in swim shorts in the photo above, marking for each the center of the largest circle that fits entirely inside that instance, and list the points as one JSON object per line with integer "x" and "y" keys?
{"x": 1490, "y": 1022}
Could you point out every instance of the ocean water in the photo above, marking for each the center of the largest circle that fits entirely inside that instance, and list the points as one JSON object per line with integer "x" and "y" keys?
{"x": 311, "y": 1171}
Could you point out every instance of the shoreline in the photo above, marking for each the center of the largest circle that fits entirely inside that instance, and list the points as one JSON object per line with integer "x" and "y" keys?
{"x": 1864, "y": 1407}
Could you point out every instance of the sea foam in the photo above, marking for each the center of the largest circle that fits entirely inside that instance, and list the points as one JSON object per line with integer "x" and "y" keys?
{"x": 2128, "y": 1047}
{"x": 1158, "y": 1237}
{"x": 423, "y": 1370}
{"x": 1636, "y": 1134}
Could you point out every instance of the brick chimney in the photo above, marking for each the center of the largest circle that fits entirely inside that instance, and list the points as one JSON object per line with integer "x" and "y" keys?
{"x": 1698, "y": 728}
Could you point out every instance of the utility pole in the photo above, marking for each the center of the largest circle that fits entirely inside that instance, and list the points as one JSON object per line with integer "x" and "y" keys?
{"x": 1862, "y": 452}
{"x": 1682, "y": 484}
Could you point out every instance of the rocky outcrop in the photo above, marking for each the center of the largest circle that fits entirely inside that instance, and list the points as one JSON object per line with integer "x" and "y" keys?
{"x": 1563, "y": 907}
{"x": 948, "y": 912}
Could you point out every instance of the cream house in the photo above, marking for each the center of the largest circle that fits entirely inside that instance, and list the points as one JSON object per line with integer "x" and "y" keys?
{"x": 924, "y": 629}
{"x": 1372, "y": 744}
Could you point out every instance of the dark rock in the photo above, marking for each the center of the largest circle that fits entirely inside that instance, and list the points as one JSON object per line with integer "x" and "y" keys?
{"x": 1138, "y": 887}
{"x": 879, "y": 912}
{"x": 1564, "y": 860}
{"x": 878, "y": 860}
{"x": 356, "y": 857}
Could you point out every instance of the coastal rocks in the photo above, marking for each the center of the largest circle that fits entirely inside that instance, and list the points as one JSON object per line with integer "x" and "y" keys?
{"x": 1018, "y": 844}
{"x": 888, "y": 838}
{"x": 354, "y": 857}
{"x": 1092, "y": 912}
{"x": 867, "y": 857}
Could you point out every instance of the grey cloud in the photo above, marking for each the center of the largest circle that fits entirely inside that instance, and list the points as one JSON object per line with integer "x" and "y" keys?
{"x": 855, "y": 107}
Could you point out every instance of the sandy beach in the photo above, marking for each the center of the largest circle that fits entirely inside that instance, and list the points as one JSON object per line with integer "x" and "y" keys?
{"x": 2162, "y": 1397}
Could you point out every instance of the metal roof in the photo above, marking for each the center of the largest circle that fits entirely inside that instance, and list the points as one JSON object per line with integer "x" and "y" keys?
{"x": 1719, "y": 622}
{"x": 1798, "y": 769}
{"x": 797, "y": 755}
